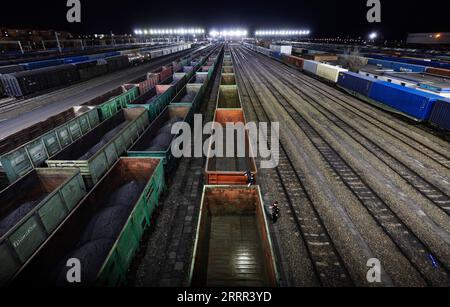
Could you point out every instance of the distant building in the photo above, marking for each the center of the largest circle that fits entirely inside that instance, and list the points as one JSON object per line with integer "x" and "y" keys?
{"x": 429, "y": 38}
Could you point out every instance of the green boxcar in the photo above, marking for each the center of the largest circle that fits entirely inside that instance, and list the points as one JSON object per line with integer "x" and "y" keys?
{"x": 155, "y": 100}
{"x": 107, "y": 108}
{"x": 139, "y": 148}
{"x": 25, "y": 158}
{"x": 56, "y": 192}
{"x": 104, "y": 158}
{"x": 112, "y": 269}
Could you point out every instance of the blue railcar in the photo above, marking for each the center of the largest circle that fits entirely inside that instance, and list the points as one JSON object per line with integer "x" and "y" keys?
{"x": 42, "y": 64}
{"x": 440, "y": 116}
{"x": 411, "y": 102}
{"x": 276, "y": 55}
{"x": 76, "y": 59}
{"x": 356, "y": 83}
{"x": 419, "y": 62}
{"x": 397, "y": 66}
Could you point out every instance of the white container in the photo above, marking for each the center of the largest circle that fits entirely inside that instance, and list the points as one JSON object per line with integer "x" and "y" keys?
{"x": 281, "y": 49}
{"x": 329, "y": 72}
{"x": 310, "y": 66}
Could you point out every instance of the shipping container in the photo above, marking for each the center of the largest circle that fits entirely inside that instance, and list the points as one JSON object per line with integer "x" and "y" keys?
{"x": 32, "y": 154}
{"x": 440, "y": 115}
{"x": 98, "y": 150}
{"x": 155, "y": 100}
{"x": 410, "y": 102}
{"x": 355, "y": 83}
{"x": 329, "y": 72}
{"x": 228, "y": 97}
{"x": 232, "y": 225}
{"x": 231, "y": 168}
{"x": 104, "y": 230}
{"x": 310, "y": 66}
{"x": 91, "y": 69}
{"x": 190, "y": 95}
{"x": 438, "y": 71}
{"x": 31, "y": 209}
{"x": 292, "y": 60}
{"x": 281, "y": 49}
{"x": 156, "y": 141}
{"x": 228, "y": 79}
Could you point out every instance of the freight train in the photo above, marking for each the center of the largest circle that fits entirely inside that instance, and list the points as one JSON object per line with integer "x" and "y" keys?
{"x": 91, "y": 202}
{"x": 415, "y": 104}
{"x": 232, "y": 220}
{"x": 34, "y": 77}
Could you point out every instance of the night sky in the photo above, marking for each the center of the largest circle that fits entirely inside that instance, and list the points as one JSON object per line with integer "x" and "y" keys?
{"x": 324, "y": 18}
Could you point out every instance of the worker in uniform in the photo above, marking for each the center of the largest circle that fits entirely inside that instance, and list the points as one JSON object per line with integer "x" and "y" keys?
{"x": 250, "y": 178}
{"x": 275, "y": 212}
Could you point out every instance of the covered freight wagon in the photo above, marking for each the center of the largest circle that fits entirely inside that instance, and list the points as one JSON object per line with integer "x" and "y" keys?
{"x": 25, "y": 83}
{"x": 31, "y": 210}
{"x": 233, "y": 247}
{"x": 104, "y": 230}
{"x": 98, "y": 150}
{"x": 355, "y": 84}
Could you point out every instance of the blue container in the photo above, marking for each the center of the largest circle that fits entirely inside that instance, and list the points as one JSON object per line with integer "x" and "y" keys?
{"x": 75, "y": 59}
{"x": 356, "y": 83}
{"x": 440, "y": 116}
{"x": 42, "y": 64}
{"x": 397, "y": 66}
{"x": 412, "y": 102}
{"x": 276, "y": 55}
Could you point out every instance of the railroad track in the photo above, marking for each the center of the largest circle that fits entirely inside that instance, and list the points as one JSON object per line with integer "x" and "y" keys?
{"x": 426, "y": 188}
{"x": 98, "y": 81}
{"x": 327, "y": 263}
{"x": 351, "y": 105}
{"x": 416, "y": 251}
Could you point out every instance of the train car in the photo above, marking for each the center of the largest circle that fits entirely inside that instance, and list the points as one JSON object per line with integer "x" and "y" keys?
{"x": 329, "y": 72}
{"x": 440, "y": 116}
{"x": 410, "y": 102}
{"x": 228, "y": 97}
{"x": 164, "y": 73}
{"x": 91, "y": 69}
{"x": 293, "y": 61}
{"x": 111, "y": 102}
{"x": 178, "y": 81}
{"x": 438, "y": 71}
{"x": 25, "y": 83}
{"x": 104, "y": 230}
{"x": 356, "y": 84}
{"x": 156, "y": 140}
{"x": 397, "y": 66}
{"x": 232, "y": 225}
{"x": 9, "y": 69}
{"x": 191, "y": 95}
{"x": 42, "y": 64}
{"x": 28, "y": 149}
{"x": 117, "y": 62}
{"x": 228, "y": 79}
{"x": 154, "y": 100}
{"x": 31, "y": 210}
{"x": 231, "y": 169}
{"x": 310, "y": 66}
{"x": 97, "y": 151}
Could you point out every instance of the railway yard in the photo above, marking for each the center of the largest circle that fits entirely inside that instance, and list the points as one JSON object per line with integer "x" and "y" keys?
{"x": 87, "y": 171}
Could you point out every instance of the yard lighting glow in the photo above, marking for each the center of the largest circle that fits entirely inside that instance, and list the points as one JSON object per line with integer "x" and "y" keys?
{"x": 168, "y": 31}
{"x": 373, "y": 35}
{"x": 281, "y": 32}
{"x": 228, "y": 33}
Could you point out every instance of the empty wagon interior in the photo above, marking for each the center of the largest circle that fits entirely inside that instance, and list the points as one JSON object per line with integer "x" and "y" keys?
{"x": 233, "y": 248}
{"x": 228, "y": 79}
{"x": 228, "y": 97}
